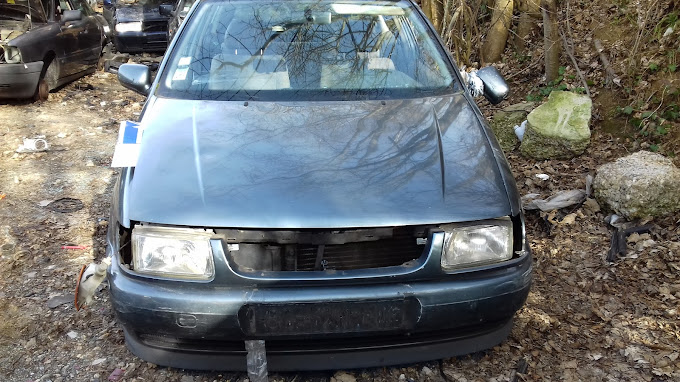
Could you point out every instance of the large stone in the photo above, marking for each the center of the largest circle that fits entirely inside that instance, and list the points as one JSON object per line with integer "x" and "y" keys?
{"x": 640, "y": 185}
{"x": 504, "y": 122}
{"x": 558, "y": 129}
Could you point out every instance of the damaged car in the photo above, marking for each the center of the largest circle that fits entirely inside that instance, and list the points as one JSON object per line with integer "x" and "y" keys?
{"x": 313, "y": 174}
{"x": 137, "y": 26}
{"x": 177, "y": 14}
{"x": 44, "y": 45}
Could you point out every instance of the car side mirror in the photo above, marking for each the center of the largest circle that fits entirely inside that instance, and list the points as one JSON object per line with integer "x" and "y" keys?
{"x": 73, "y": 15}
{"x": 136, "y": 77}
{"x": 166, "y": 9}
{"x": 495, "y": 87}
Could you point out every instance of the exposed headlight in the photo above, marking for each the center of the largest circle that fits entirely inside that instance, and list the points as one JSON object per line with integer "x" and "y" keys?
{"x": 172, "y": 252}
{"x": 129, "y": 27}
{"x": 480, "y": 244}
{"x": 12, "y": 55}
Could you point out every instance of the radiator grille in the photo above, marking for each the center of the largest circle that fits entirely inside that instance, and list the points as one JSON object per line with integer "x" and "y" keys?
{"x": 156, "y": 26}
{"x": 371, "y": 254}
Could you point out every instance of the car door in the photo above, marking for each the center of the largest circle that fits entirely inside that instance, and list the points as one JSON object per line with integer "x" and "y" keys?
{"x": 91, "y": 39}
{"x": 68, "y": 40}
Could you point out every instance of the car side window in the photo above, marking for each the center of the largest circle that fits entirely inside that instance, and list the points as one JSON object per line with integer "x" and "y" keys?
{"x": 64, "y": 5}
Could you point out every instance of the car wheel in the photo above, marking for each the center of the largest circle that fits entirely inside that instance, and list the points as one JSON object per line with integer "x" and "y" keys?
{"x": 47, "y": 82}
{"x": 42, "y": 92}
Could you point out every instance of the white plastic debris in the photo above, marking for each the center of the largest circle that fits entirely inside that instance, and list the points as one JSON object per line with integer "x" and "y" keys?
{"x": 668, "y": 32}
{"x": 98, "y": 361}
{"x": 543, "y": 176}
{"x": 520, "y": 129}
{"x": 559, "y": 200}
{"x": 34, "y": 145}
{"x": 89, "y": 280}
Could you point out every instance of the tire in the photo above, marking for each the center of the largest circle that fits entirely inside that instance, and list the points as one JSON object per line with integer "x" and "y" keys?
{"x": 42, "y": 92}
{"x": 47, "y": 82}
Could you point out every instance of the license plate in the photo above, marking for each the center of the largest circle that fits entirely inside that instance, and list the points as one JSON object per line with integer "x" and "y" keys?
{"x": 328, "y": 318}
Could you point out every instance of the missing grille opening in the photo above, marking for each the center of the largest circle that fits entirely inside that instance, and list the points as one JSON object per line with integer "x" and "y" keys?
{"x": 323, "y": 250}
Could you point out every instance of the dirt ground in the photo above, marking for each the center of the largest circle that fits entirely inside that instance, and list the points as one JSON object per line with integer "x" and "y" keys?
{"x": 585, "y": 319}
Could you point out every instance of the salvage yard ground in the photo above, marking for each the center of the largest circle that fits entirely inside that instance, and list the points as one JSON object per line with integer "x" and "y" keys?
{"x": 585, "y": 319}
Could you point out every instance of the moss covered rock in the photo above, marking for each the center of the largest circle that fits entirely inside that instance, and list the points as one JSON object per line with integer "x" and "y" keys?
{"x": 504, "y": 122}
{"x": 558, "y": 129}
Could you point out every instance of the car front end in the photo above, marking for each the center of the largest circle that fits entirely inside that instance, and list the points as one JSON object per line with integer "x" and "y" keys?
{"x": 138, "y": 29}
{"x": 349, "y": 209}
{"x": 365, "y": 311}
{"x": 18, "y": 77}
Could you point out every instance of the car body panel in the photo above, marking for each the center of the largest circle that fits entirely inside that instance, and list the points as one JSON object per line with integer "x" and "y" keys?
{"x": 315, "y": 165}
{"x": 19, "y": 80}
{"x": 152, "y": 38}
{"x": 470, "y": 310}
{"x": 418, "y": 161}
{"x": 75, "y": 45}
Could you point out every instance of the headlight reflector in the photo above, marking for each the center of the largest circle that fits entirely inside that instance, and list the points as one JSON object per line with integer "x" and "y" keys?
{"x": 474, "y": 245}
{"x": 172, "y": 252}
{"x": 129, "y": 27}
{"x": 12, "y": 55}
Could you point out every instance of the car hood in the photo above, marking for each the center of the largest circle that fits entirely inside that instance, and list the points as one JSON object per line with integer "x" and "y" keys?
{"x": 10, "y": 30}
{"x": 314, "y": 165}
{"x": 130, "y": 13}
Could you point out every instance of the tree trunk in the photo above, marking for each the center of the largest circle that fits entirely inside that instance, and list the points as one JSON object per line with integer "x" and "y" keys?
{"x": 551, "y": 39}
{"x": 426, "y": 6}
{"x": 501, "y": 20}
{"x": 438, "y": 14}
{"x": 530, "y": 13}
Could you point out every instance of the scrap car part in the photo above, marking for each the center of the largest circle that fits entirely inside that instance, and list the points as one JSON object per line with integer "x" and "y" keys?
{"x": 88, "y": 280}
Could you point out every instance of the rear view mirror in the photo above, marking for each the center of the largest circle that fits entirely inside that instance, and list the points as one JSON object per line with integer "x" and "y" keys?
{"x": 73, "y": 15}
{"x": 136, "y": 77}
{"x": 495, "y": 87}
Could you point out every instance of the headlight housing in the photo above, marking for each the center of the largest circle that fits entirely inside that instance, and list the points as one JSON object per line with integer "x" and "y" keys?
{"x": 12, "y": 54}
{"x": 482, "y": 243}
{"x": 129, "y": 27}
{"x": 172, "y": 252}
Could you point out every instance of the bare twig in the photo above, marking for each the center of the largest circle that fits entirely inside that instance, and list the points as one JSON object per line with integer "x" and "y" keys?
{"x": 570, "y": 52}
{"x": 535, "y": 64}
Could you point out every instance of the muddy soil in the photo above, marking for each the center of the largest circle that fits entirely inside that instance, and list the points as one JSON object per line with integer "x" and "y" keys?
{"x": 585, "y": 319}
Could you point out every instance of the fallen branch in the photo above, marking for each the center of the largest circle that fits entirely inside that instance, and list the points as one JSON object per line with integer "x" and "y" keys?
{"x": 610, "y": 75}
{"x": 570, "y": 52}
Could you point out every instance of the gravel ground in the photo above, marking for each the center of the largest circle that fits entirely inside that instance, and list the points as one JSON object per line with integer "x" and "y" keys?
{"x": 585, "y": 319}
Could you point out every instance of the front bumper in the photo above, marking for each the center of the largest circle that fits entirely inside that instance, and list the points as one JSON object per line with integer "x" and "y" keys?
{"x": 203, "y": 325}
{"x": 137, "y": 42}
{"x": 19, "y": 80}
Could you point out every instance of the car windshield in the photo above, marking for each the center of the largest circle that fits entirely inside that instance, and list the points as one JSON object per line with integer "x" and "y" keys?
{"x": 306, "y": 50}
